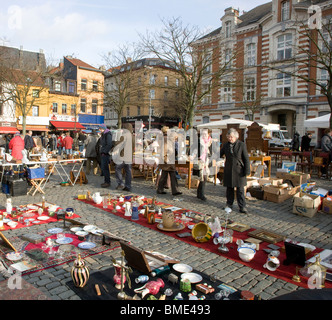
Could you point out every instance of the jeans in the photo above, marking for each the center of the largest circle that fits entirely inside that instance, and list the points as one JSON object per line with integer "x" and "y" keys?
{"x": 118, "y": 174}
{"x": 69, "y": 151}
{"x": 240, "y": 197}
{"x": 60, "y": 150}
{"x": 104, "y": 166}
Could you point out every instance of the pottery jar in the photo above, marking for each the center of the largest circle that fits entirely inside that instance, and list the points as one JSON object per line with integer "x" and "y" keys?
{"x": 80, "y": 273}
{"x": 168, "y": 219}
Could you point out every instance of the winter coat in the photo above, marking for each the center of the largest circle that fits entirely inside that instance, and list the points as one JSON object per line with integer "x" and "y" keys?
{"x": 237, "y": 164}
{"x": 90, "y": 146}
{"x": 29, "y": 142}
{"x": 59, "y": 142}
{"x": 326, "y": 143}
{"x": 67, "y": 142}
{"x": 16, "y": 144}
{"x": 296, "y": 142}
{"x": 106, "y": 143}
{"x": 305, "y": 143}
{"x": 169, "y": 154}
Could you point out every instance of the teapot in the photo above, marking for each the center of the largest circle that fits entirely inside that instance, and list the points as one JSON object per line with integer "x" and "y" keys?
{"x": 97, "y": 198}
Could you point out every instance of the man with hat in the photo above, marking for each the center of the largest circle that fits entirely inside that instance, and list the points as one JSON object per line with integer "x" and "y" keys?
{"x": 106, "y": 145}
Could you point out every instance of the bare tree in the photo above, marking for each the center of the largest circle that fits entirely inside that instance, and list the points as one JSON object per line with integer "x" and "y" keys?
{"x": 120, "y": 68}
{"x": 177, "y": 44}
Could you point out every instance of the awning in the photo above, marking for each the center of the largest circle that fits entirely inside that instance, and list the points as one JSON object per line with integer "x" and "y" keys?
{"x": 67, "y": 125}
{"x": 33, "y": 128}
{"x": 8, "y": 130}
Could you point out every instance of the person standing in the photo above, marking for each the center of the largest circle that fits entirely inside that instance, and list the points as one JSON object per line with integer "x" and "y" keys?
{"x": 29, "y": 143}
{"x": 305, "y": 142}
{"x": 91, "y": 153}
{"x": 203, "y": 164}
{"x": 326, "y": 143}
{"x": 81, "y": 139}
{"x": 68, "y": 144}
{"x": 17, "y": 145}
{"x": 59, "y": 144}
{"x": 106, "y": 145}
{"x": 168, "y": 168}
{"x": 296, "y": 142}
{"x": 127, "y": 141}
{"x": 236, "y": 170}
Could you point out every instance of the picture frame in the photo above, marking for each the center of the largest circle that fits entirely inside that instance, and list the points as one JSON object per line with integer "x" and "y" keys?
{"x": 290, "y": 166}
{"x": 267, "y": 236}
{"x": 239, "y": 227}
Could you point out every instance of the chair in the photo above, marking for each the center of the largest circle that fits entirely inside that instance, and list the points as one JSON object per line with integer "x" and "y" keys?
{"x": 285, "y": 155}
{"x": 321, "y": 161}
{"x": 36, "y": 186}
{"x": 306, "y": 160}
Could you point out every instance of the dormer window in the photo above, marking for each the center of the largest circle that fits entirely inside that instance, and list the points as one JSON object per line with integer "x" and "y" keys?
{"x": 228, "y": 29}
{"x": 285, "y": 10}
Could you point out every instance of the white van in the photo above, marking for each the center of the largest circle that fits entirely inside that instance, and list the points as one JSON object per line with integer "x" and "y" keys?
{"x": 280, "y": 138}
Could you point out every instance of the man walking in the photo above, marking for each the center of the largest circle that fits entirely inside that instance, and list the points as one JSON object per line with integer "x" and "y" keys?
{"x": 106, "y": 145}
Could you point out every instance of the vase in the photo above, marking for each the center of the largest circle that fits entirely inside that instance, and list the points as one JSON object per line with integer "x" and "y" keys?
{"x": 168, "y": 219}
{"x": 80, "y": 273}
{"x": 117, "y": 275}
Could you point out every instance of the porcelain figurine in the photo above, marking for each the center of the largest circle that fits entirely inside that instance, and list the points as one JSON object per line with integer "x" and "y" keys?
{"x": 97, "y": 198}
{"x": 152, "y": 287}
{"x": 128, "y": 210}
{"x": 80, "y": 273}
{"x": 117, "y": 275}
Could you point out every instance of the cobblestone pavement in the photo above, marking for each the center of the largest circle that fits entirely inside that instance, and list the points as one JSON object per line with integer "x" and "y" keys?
{"x": 277, "y": 217}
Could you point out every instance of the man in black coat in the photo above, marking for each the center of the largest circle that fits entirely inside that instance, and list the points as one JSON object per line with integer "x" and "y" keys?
{"x": 106, "y": 144}
{"x": 237, "y": 168}
{"x": 305, "y": 142}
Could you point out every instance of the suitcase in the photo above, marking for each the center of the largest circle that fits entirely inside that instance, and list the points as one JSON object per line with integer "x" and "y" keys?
{"x": 18, "y": 188}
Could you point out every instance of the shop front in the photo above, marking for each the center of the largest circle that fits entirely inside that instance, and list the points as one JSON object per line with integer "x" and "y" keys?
{"x": 64, "y": 123}
{"x": 155, "y": 122}
{"x": 35, "y": 124}
{"x": 90, "y": 122}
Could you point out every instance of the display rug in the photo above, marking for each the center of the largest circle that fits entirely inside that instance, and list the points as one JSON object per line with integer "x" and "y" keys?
{"x": 29, "y": 215}
{"x": 56, "y": 247}
{"x": 170, "y": 286}
{"x": 284, "y": 272}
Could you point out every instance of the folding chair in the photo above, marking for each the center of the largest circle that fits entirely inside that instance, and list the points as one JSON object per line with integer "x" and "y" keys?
{"x": 36, "y": 186}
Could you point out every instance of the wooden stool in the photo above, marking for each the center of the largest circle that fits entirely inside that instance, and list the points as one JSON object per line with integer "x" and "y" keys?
{"x": 81, "y": 178}
{"x": 36, "y": 186}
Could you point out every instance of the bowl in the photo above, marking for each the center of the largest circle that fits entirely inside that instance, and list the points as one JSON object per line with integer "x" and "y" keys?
{"x": 246, "y": 254}
{"x": 201, "y": 232}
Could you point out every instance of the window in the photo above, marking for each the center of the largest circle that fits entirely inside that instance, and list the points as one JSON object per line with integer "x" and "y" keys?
{"x": 206, "y": 90}
{"x": 207, "y": 63}
{"x": 139, "y": 95}
{"x": 166, "y": 81}
{"x": 138, "y": 110}
{"x": 227, "y": 92}
{"x": 228, "y": 27}
{"x": 83, "y": 105}
{"x": 324, "y": 77}
{"x": 94, "y": 85}
{"x": 152, "y": 94}
{"x": 283, "y": 86}
{"x": 251, "y": 54}
{"x": 57, "y": 85}
{"x": 285, "y": 11}
{"x": 228, "y": 53}
{"x": 64, "y": 108}
{"x": 83, "y": 84}
{"x": 206, "y": 119}
{"x": 177, "y": 82}
{"x": 55, "y": 107}
{"x": 35, "y": 93}
{"x": 71, "y": 87}
{"x": 73, "y": 109}
{"x": 250, "y": 92}
{"x": 128, "y": 111}
{"x": 94, "y": 106}
{"x": 153, "y": 78}
{"x": 35, "y": 111}
{"x": 284, "y": 49}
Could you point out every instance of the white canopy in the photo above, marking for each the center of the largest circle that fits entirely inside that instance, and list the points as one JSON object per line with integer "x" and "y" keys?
{"x": 222, "y": 124}
{"x": 319, "y": 122}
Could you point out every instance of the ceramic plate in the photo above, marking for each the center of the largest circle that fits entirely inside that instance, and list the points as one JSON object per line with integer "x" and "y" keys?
{"x": 97, "y": 231}
{"x": 14, "y": 256}
{"x": 35, "y": 221}
{"x": 54, "y": 230}
{"x": 86, "y": 245}
{"x": 81, "y": 233}
{"x": 43, "y": 218}
{"x": 12, "y": 224}
{"x": 191, "y": 226}
{"x": 64, "y": 240}
{"x": 76, "y": 229}
{"x": 6, "y": 220}
{"x": 28, "y": 214}
{"x": 192, "y": 277}
{"x": 89, "y": 228}
{"x": 32, "y": 207}
{"x": 183, "y": 268}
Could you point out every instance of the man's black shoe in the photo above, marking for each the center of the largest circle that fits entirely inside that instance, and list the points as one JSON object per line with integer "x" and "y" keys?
{"x": 176, "y": 193}
{"x": 244, "y": 210}
{"x": 126, "y": 189}
{"x": 161, "y": 192}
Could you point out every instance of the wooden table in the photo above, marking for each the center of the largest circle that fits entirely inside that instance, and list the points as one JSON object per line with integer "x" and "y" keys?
{"x": 262, "y": 159}
{"x": 188, "y": 165}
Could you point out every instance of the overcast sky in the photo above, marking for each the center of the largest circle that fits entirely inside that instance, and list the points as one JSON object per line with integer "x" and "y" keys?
{"x": 89, "y": 29}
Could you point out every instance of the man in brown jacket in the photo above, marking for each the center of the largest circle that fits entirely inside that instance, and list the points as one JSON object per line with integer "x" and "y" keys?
{"x": 168, "y": 167}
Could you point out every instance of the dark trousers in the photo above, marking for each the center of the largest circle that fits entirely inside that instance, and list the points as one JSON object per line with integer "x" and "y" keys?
{"x": 201, "y": 188}
{"x": 240, "y": 196}
{"x": 163, "y": 181}
{"x": 105, "y": 169}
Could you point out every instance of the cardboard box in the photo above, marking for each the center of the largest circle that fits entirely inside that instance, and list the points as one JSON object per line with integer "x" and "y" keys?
{"x": 327, "y": 205}
{"x": 269, "y": 180}
{"x": 278, "y": 194}
{"x": 194, "y": 182}
{"x": 297, "y": 178}
{"x": 306, "y": 204}
{"x": 251, "y": 181}
{"x": 256, "y": 192}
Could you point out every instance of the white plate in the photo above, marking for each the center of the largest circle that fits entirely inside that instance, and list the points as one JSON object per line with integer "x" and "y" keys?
{"x": 81, "y": 233}
{"x": 64, "y": 240}
{"x": 6, "y": 220}
{"x": 183, "y": 268}
{"x": 192, "y": 277}
{"x": 43, "y": 218}
{"x": 86, "y": 245}
{"x": 97, "y": 231}
{"x": 76, "y": 229}
{"x": 307, "y": 245}
{"x": 32, "y": 207}
{"x": 89, "y": 228}
{"x": 14, "y": 256}
{"x": 36, "y": 221}
{"x": 55, "y": 230}
{"x": 191, "y": 226}
{"x": 12, "y": 224}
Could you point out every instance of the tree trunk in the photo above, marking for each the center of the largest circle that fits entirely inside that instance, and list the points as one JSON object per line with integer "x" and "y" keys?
{"x": 119, "y": 121}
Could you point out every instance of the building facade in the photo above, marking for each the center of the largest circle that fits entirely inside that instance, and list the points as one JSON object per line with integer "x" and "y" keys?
{"x": 152, "y": 94}
{"x": 263, "y": 44}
